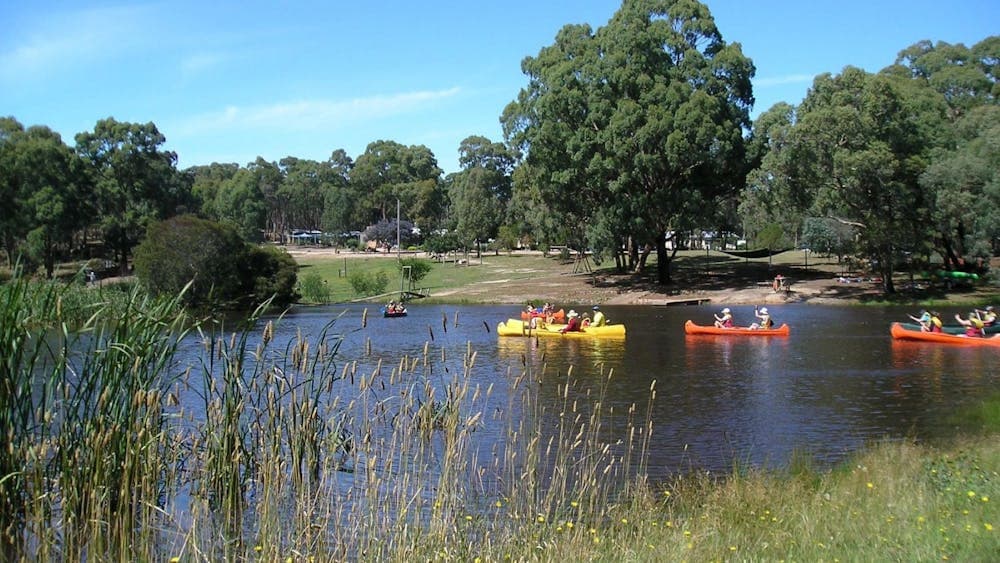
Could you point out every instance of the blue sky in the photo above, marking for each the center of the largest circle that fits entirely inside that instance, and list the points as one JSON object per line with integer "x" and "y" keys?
{"x": 230, "y": 81}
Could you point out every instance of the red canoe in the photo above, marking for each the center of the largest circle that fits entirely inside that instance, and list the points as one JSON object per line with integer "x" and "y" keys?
{"x": 691, "y": 328}
{"x": 900, "y": 332}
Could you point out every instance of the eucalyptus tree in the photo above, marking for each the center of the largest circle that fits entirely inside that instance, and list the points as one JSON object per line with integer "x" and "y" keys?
{"x": 338, "y": 202}
{"x": 766, "y": 203}
{"x": 13, "y": 221}
{"x": 965, "y": 182}
{"x": 854, "y": 154}
{"x": 136, "y": 181}
{"x": 303, "y": 188}
{"x": 206, "y": 183}
{"x": 956, "y": 91}
{"x": 267, "y": 177}
{"x": 388, "y": 174}
{"x": 241, "y": 205}
{"x": 966, "y": 77}
{"x": 481, "y": 192}
{"x": 634, "y": 130}
{"x": 46, "y": 191}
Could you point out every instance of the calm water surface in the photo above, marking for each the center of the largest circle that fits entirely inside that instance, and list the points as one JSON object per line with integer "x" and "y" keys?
{"x": 837, "y": 382}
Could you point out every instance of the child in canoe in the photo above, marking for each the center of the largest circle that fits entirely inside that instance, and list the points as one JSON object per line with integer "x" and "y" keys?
{"x": 726, "y": 320}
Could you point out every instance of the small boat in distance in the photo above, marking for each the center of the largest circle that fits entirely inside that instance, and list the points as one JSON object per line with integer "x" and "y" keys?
{"x": 691, "y": 328}
{"x": 397, "y": 312}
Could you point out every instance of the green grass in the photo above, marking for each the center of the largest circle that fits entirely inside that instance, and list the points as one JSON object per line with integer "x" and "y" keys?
{"x": 443, "y": 276}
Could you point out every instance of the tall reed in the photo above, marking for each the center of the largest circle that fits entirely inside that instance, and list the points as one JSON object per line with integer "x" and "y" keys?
{"x": 290, "y": 450}
{"x": 85, "y": 467}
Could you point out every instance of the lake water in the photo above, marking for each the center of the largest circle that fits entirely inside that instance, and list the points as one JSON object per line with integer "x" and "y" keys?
{"x": 837, "y": 382}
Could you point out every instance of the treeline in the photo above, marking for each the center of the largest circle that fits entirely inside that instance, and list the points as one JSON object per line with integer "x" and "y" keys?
{"x": 626, "y": 138}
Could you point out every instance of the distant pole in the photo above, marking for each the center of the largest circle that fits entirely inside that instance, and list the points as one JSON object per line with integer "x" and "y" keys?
{"x": 397, "y": 230}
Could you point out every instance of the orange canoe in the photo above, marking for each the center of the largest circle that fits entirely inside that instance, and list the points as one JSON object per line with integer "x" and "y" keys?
{"x": 900, "y": 332}
{"x": 691, "y": 328}
{"x": 557, "y": 317}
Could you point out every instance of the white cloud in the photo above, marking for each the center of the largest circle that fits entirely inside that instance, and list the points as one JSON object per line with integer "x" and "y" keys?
{"x": 201, "y": 62}
{"x": 782, "y": 80}
{"x": 65, "y": 39}
{"x": 309, "y": 115}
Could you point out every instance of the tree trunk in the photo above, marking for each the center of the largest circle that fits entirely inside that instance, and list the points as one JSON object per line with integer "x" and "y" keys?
{"x": 662, "y": 260}
{"x": 643, "y": 258}
{"x": 886, "y": 269}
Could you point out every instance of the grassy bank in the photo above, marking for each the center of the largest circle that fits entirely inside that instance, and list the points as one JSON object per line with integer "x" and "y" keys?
{"x": 114, "y": 451}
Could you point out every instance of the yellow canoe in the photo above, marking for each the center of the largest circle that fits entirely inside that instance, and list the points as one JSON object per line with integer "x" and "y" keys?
{"x": 517, "y": 327}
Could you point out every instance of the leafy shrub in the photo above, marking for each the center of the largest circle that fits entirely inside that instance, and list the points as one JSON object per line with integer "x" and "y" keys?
{"x": 273, "y": 272}
{"x": 442, "y": 243}
{"x": 369, "y": 283}
{"x": 419, "y": 268}
{"x": 313, "y": 288}
{"x": 219, "y": 265}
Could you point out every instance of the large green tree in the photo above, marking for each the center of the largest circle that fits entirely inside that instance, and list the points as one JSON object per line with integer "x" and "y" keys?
{"x": 481, "y": 192}
{"x": 855, "y": 154}
{"x": 634, "y": 131}
{"x": 136, "y": 181}
{"x": 46, "y": 193}
{"x": 338, "y": 205}
{"x": 389, "y": 172}
{"x": 953, "y": 91}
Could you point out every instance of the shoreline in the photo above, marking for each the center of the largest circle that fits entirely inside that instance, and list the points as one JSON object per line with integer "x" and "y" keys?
{"x": 740, "y": 286}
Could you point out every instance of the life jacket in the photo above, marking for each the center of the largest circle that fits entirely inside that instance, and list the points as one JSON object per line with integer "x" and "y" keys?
{"x": 767, "y": 323}
{"x": 935, "y": 324}
{"x": 975, "y": 328}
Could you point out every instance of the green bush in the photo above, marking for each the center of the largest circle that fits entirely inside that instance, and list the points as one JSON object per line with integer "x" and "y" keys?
{"x": 313, "y": 288}
{"x": 369, "y": 283}
{"x": 221, "y": 268}
{"x": 272, "y": 273}
{"x": 419, "y": 268}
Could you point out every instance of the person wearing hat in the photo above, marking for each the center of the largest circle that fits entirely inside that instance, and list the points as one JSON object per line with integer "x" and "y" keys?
{"x": 572, "y": 322}
{"x": 599, "y": 318}
{"x": 726, "y": 320}
{"x": 763, "y": 319}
